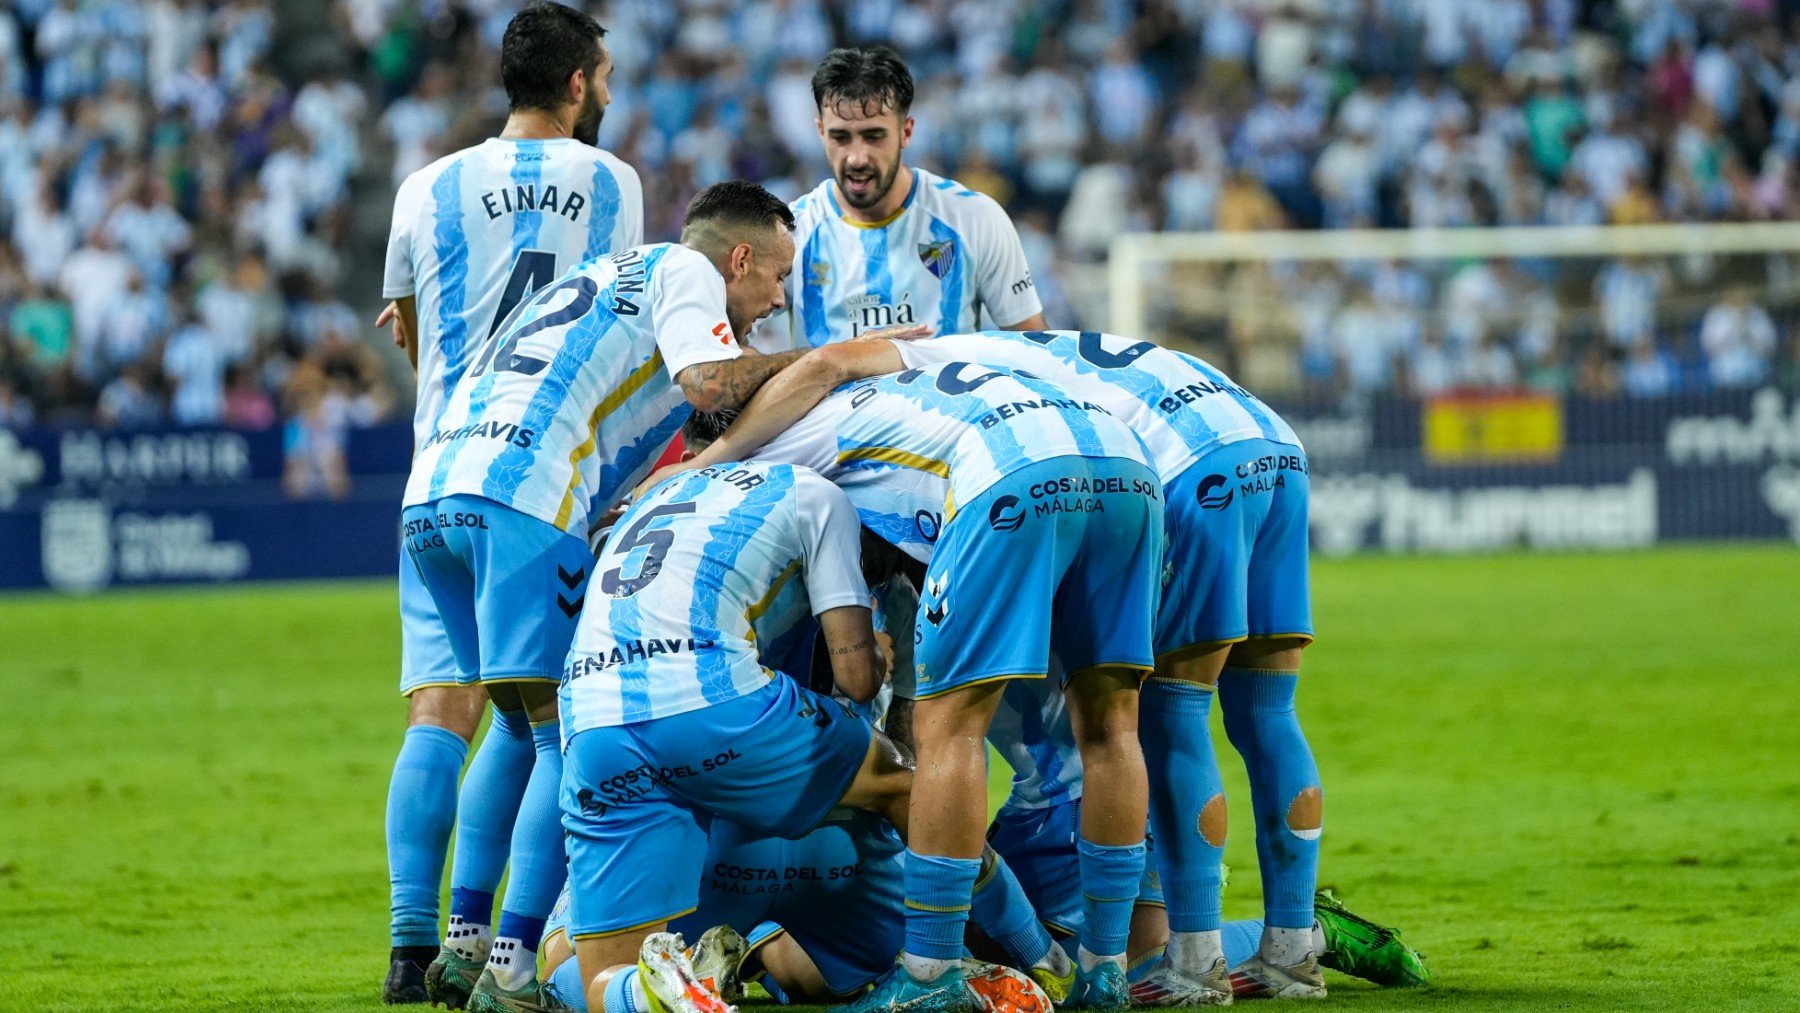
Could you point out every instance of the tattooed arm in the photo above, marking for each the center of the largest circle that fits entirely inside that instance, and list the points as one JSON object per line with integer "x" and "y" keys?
{"x": 857, "y": 665}
{"x": 727, "y": 385}
{"x": 789, "y": 396}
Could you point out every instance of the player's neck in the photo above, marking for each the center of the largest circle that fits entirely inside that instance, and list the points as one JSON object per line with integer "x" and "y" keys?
{"x": 535, "y": 125}
{"x": 904, "y": 181}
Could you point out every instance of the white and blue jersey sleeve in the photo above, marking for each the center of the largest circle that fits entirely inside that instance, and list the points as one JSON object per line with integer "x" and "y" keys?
{"x": 1031, "y": 732}
{"x": 909, "y": 446}
{"x": 477, "y": 232}
{"x": 950, "y": 258}
{"x": 691, "y": 568}
{"x": 566, "y": 408}
{"x": 1181, "y": 407}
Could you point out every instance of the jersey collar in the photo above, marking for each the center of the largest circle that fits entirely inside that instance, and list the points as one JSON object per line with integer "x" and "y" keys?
{"x": 837, "y": 209}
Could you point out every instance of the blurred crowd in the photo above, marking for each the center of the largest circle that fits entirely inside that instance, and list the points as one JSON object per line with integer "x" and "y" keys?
{"x": 181, "y": 223}
{"x": 175, "y": 225}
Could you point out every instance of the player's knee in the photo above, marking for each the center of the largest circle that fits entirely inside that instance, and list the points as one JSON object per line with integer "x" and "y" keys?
{"x": 1198, "y": 666}
{"x": 1306, "y": 813}
{"x": 1212, "y": 821}
{"x": 1271, "y": 654}
{"x": 556, "y": 949}
{"x": 454, "y": 708}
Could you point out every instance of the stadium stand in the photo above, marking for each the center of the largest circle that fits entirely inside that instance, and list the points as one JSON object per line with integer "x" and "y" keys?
{"x": 194, "y": 192}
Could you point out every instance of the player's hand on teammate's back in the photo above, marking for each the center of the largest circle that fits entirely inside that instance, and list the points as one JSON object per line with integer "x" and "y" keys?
{"x": 901, "y": 332}
{"x": 656, "y": 477}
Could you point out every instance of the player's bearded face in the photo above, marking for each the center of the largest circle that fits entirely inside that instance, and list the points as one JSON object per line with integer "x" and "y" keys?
{"x": 587, "y": 122}
{"x": 864, "y": 150}
{"x": 594, "y": 98}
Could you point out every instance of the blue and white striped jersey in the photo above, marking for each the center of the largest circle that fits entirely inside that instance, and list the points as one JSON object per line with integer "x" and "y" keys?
{"x": 909, "y": 446}
{"x": 949, "y": 258}
{"x": 1181, "y": 407}
{"x": 1031, "y": 731}
{"x": 569, "y": 405}
{"x": 687, "y": 572}
{"x": 478, "y": 231}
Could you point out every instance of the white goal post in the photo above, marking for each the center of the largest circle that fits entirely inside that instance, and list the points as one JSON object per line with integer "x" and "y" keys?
{"x": 1134, "y": 255}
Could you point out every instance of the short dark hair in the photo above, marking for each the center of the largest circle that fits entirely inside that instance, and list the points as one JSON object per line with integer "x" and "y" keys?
{"x": 870, "y": 77}
{"x": 543, "y": 45}
{"x": 707, "y": 427}
{"x": 737, "y": 203}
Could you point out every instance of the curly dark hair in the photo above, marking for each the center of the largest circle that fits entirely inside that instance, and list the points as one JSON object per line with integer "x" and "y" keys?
{"x": 870, "y": 78}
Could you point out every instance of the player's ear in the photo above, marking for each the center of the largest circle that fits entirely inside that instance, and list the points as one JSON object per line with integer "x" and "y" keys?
{"x": 742, "y": 255}
{"x": 906, "y": 128}
{"x": 819, "y": 125}
{"x": 576, "y": 88}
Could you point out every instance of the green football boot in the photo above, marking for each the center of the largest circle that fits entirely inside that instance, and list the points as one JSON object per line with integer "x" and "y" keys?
{"x": 898, "y": 991}
{"x": 1362, "y": 949}
{"x": 451, "y": 977}
{"x": 489, "y": 997}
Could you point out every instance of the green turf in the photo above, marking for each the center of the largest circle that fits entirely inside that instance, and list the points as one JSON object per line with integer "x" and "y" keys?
{"x": 1574, "y": 780}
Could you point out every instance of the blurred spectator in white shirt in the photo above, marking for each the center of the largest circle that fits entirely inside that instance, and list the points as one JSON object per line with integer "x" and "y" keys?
{"x": 416, "y": 123}
{"x": 91, "y": 279}
{"x": 1648, "y": 371}
{"x": 1123, "y": 95}
{"x": 1739, "y": 339}
{"x": 131, "y": 400}
{"x": 1627, "y": 291}
{"x": 195, "y": 366}
{"x": 133, "y": 320}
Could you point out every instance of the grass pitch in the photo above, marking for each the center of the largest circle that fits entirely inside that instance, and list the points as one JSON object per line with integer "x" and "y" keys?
{"x": 1573, "y": 780}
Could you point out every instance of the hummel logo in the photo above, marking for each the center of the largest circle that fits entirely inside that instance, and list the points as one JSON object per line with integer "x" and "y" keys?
{"x": 570, "y": 608}
{"x": 571, "y": 579}
{"x": 934, "y": 614}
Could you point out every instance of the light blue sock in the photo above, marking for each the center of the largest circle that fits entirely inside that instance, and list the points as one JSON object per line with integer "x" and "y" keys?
{"x": 625, "y": 995}
{"x": 487, "y": 807}
{"x": 773, "y": 987}
{"x": 1241, "y": 939}
{"x": 1001, "y": 910}
{"x": 540, "y": 863}
{"x": 421, "y": 811}
{"x": 938, "y": 896}
{"x": 565, "y": 983}
{"x": 1176, "y": 735}
{"x": 1109, "y": 888}
{"x": 1263, "y": 727}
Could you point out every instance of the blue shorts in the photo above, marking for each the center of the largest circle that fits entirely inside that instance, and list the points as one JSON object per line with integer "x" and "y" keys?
{"x": 1062, "y": 555}
{"x": 1237, "y": 549}
{"x": 425, "y": 655}
{"x": 838, "y": 891}
{"x": 508, "y": 586}
{"x": 638, "y": 800}
{"x": 1039, "y": 847}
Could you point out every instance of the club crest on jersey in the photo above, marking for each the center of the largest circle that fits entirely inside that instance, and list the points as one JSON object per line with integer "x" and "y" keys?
{"x": 938, "y": 257}
{"x": 821, "y": 273}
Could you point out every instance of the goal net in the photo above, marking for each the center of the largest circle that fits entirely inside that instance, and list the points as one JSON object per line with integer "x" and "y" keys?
{"x": 1478, "y": 389}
